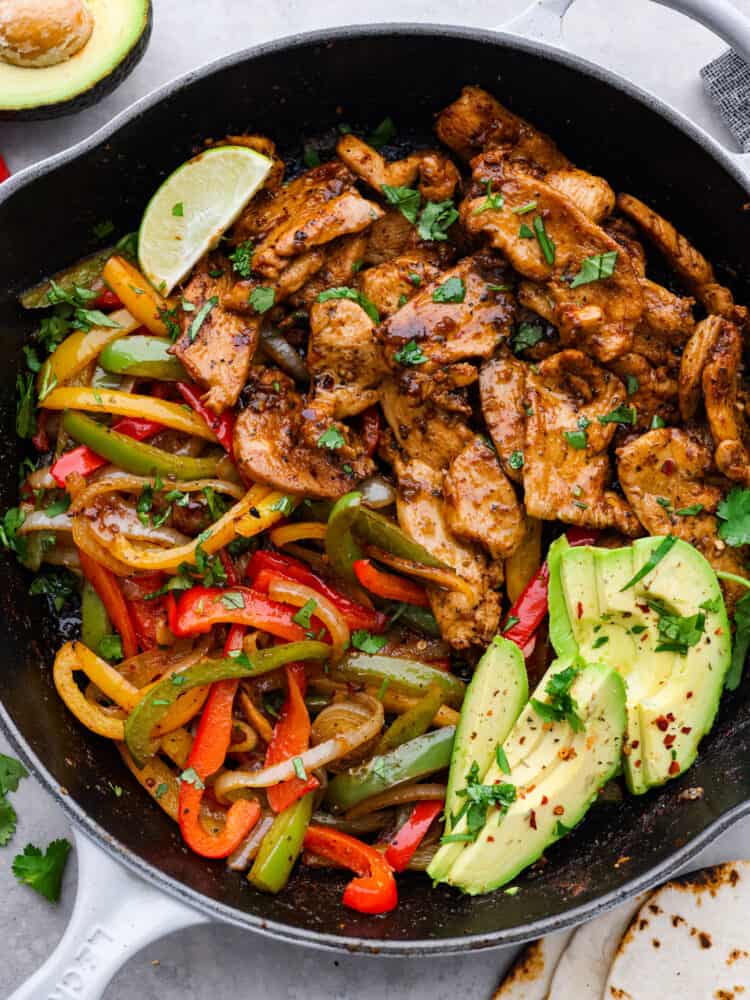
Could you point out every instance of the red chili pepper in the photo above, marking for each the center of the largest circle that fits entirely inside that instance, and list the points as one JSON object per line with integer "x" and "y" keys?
{"x": 105, "y": 584}
{"x": 4, "y": 172}
{"x": 291, "y": 737}
{"x": 84, "y": 461}
{"x": 395, "y": 588}
{"x": 264, "y": 566}
{"x": 200, "y": 608}
{"x": 223, "y": 426}
{"x": 531, "y": 606}
{"x": 408, "y": 838}
{"x": 371, "y": 429}
{"x": 374, "y": 891}
{"x": 206, "y": 756}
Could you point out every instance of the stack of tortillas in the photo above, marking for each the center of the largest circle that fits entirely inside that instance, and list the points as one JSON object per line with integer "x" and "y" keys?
{"x": 688, "y": 940}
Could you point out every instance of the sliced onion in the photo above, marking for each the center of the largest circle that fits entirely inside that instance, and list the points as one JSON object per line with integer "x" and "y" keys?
{"x": 240, "y": 859}
{"x": 291, "y": 592}
{"x": 377, "y": 492}
{"x": 315, "y": 757}
{"x": 144, "y": 667}
{"x": 39, "y": 521}
{"x": 397, "y": 797}
{"x": 249, "y": 739}
{"x": 63, "y": 555}
{"x": 88, "y": 543}
{"x": 363, "y": 824}
{"x": 337, "y": 718}
{"x": 41, "y": 479}
{"x": 122, "y": 481}
{"x": 278, "y": 348}
{"x": 119, "y": 518}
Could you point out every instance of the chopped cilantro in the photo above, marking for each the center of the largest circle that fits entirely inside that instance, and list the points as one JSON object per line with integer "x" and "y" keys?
{"x": 523, "y": 209}
{"x": 178, "y": 210}
{"x": 407, "y": 200}
{"x": 690, "y": 511}
{"x": 436, "y": 219}
{"x": 12, "y": 772}
{"x": 367, "y": 642}
{"x": 516, "y": 460}
{"x": 741, "y": 643}
{"x": 502, "y": 760}
{"x": 59, "y": 585}
{"x": 734, "y": 514}
{"x": 620, "y": 415}
{"x": 452, "y": 290}
{"x": 632, "y": 384}
{"x": 43, "y": 872}
{"x": 652, "y": 562}
{"x": 492, "y": 203}
{"x": 201, "y": 317}
{"x": 546, "y": 245}
{"x": 526, "y": 335}
{"x": 384, "y": 133}
{"x": 657, "y": 422}
{"x": 161, "y": 790}
{"x": 305, "y": 613}
{"x": 262, "y": 298}
{"x": 525, "y": 232}
{"x": 354, "y": 295}
{"x": 299, "y": 768}
{"x": 25, "y": 406}
{"x": 561, "y": 706}
{"x": 410, "y": 354}
{"x": 479, "y": 798}
{"x": 242, "y": 258}
{"x": 191, "y": 777}
{"x": 677, "y": 633}
{"x": 110, "y": 648}
{"x": 596, "y": 268}
{"x": 331, "y": 438}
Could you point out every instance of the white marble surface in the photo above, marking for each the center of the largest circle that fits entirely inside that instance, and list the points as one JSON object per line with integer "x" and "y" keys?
{"x": 655, "y": 47}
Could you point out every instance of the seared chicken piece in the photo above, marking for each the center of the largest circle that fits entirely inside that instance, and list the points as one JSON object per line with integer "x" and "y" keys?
{"x": 392, "y": 235}
{"x": 463, "y": 621}
{"x": 294, "y": 277}
{"x": 218, "y": 355}
{"x": 480, "y": 503}
{"x": 344, "y": 358}
{"x": 502, "y": 391}
{"x": 314, "y": 209}
{"x": 688, "y": 262}
{"x": 591, "y": 194}
{"x": 458, "y": 316}
{"x": 341, "y": 260}
{"x": 476, "y": 121}
{"x": 270, "y": 447}
{"x": 665, "y": 472}
{"x": 667, "y": 323}
{"x": 389, "y": 286}
{"x": 625, "y": 235}
{"x": 725, "y": 411}
{"x": 438, "y": 175}
{"x": 652, "y": 389}
{"x": 694, "y": 360}
{"x": 423, "y": 430}
{"x": 566, "y": 468}
{"x": 600, "y": 315}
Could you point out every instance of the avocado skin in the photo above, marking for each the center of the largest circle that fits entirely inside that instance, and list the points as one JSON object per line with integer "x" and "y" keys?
{"x": 92, "y": 95}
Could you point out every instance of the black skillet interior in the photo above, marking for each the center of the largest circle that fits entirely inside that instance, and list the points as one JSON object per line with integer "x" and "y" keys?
{"x": 291, "y": 94}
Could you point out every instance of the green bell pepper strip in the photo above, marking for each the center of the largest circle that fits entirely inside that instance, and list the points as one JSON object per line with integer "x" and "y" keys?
{"x": 412, "y": 723}
{"x": 409, "y": 762}
{"x": 156, "y": 703}
{"x": 95, "y": 622}
{"x": 385, "y": 534}
{"x": 281, "y": 846}
{"x": 133, "y": 456}
{"x": 147, "y": 357}
{"x": 421, "y": 619}
{"x": 408, "y": 676}
{"x": 341, "y": 548}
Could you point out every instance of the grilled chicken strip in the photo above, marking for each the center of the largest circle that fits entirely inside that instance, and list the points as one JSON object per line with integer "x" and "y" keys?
{"x": 591, "y": 194}
{"x": 389, "y": 286}
{"x": 652, "y": 389}
{"x": 341, "y": 260}
{"x": 694, "y": 360}
{"x": 724, "y": 409}
{"x": 480, "y": 503}
{"x": 422, "y": 429}
{"x": 688, "y": 262}
{"x": 664, "y": 473}
{"x": 438, "y": 175}
{"x": 344, "y": 358}
{"x": 463, "y": 621}
{"x": 270, "y": 444}
{"x": 464, "y": 314}
{"x": 601, "y": 315}
{"x": 502, "y": 392}
{"x": 218, "y": 355}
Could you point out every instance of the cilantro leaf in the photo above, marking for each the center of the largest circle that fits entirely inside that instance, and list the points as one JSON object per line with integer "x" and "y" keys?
{"x": 12, "y": 773}
{"x": 191, "y": 777}
{"x": 25, "y": 406}
{"x": 201, "y": 316}
{"x": 526, "y": 335}
{"x": 734, "y": 512}
{"x": 342, "y": 292}
{"x": 652, "y": 562}
{"x": 596, "y": 268}
{"x": 410, "y": 354}
{"x": 384, "y": 133}
{"x": 501, "y": 758}
{"x": 305, "y": 613}
{"x": 9, "y": 537}
{"x": 43, "y": 872}
{"x": 622, "y": 414}
{"x": 492, "y": 203}
{"x": 436, "y": 219}
{"x": 331, "y": 438}
{"x": 516, "y": 460}
{"x": 561, "y": 706}
{"x": 8, "y": 820}
{"x": 451, "y": 290}
{"x": 367, "y": 642}
{"x": 60, "y": 586}
{"x": 406, "y": 199}
{"x": 478, "y": 799}
{"x": 242, "y": 258}
{"x": 677, "y": 633}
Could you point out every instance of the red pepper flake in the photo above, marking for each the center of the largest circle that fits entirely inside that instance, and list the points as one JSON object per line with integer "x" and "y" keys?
{"x": 689, "y": 694}
{"x": 532, "y": 820}
{"x": 662, "y": 723}
{"x": 490, "y": 840}
{"x": 644, "y": 608}
{"x": 686, "y": 729}
{"x": 544, "y": 801}
{"x": 719, "y": 631}
{"x": 558, "y": 810}
{"x": 635, "y": 744}
{"x": 674, "y": 767}
{"x": 670, "y": 716}
{"x": 580, "y": 610}
{"x": 669, "y": 740}
{"x": 637, "y": 763}
{"x": 669, "y": 467}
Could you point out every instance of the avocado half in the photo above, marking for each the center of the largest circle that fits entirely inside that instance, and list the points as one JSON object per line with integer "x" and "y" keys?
{"x": 122, "y": 29}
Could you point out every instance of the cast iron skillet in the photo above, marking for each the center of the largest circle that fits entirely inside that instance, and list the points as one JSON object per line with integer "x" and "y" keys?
{"x": 290, "y": 90}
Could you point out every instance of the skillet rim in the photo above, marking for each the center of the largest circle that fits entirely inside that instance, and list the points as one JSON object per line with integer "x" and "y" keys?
{"x": 729, "y": 161}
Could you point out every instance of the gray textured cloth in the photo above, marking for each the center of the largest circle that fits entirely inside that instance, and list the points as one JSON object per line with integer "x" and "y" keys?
{"x": 727, "y": 83}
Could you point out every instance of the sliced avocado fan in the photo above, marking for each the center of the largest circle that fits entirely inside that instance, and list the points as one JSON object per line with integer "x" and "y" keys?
{"x": 654, "y": 611}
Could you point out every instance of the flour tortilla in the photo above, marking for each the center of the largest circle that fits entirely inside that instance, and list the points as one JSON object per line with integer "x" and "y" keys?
{"x": 583, "y": 967}
{"x": 531, "y": 973}
{"x": 690, "y": 940}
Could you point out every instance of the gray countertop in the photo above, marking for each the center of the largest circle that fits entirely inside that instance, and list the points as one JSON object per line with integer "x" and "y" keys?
{"x": 653, "y": 46}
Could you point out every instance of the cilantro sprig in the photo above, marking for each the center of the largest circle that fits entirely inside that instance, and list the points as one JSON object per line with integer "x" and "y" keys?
{"x": 562, "y": 706}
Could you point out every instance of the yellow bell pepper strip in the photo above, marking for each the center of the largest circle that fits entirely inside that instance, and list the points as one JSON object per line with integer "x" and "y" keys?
{"x": 80, "y": 349}
{"x": 137, "y": 295}
{"x": 408, "y": 676}
{"x": 145, "y": 357}
{"x": 206, "y": 757}
{"x": 154, "y": 705}
{"x": 158, "y": 780}
{"x": 341, "y": 548}
{"x": 298, "y": 532}
{"x": 239, "y": 519}
{"x": 409, "y": 762}
{"x": 281, "y": 846}
{"x": 412, "y": 723}
{"x": 131, "y": 455}
{"x": 66, "y": 662}
{"x": 128, "y": 404}
{"x": 525, "y": 560}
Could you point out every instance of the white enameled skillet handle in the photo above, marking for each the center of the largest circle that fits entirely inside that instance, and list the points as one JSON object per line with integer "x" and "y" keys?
{"x": 543, "y": 20}
{"x": 115, "y": 915}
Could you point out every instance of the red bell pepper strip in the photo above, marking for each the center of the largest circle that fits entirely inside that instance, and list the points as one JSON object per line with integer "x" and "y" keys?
{"x": 371, "y": 429}
{"x": 84, "y": 461}
{"x": 223, "y": 426}
{"x": 236, "y": 633}
{"x": 146, "y": 616}
{"x": 171, "y": 605}
{"x": 105, "y": 584}
{"x": 206, "y": 756}
{"x": 388, "y": 585}
{"x": 291, "y": 737}
{"x": 4, "y": 172}
{"x": 200, "y": 608}
{"x": 408, "y": 838}
{"x": 264, "y": 566}
{"x": 531, "y": 605}
{"x": 374, "y": 891}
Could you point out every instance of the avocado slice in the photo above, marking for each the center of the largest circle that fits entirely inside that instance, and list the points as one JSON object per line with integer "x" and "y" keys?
{"x": 557, "y": 773}
{"x": 673, "y": 692}
{"x": 494, "y": 699}
{"x": 118, "y": 41}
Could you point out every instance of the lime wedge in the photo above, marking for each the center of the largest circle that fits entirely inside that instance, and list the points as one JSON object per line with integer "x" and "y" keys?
{"x": 193, "y": 208}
